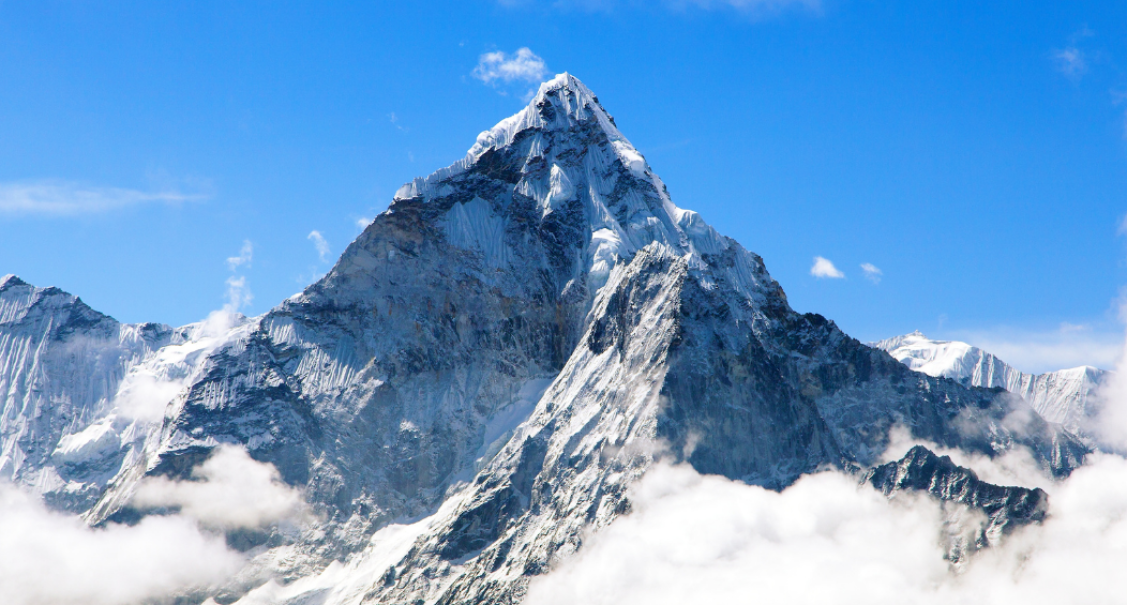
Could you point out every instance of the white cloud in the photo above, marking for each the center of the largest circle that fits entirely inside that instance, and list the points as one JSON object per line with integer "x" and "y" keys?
{"x": 321, "y": 245}
{"x": 521, "y": 66}
{"x": 246, "y": 254}
{"x": 823, "y": 268}
{"x": 143, "y": 395}
{"x": 231, "y": 490}
{"x": 48, "y": 557}
{"x": 872, "y": 273}
{"x": 363, "y": 222}
{"x": 1070, "y": 61}
{"x": 62, "y": 198}
{"x": 1037, "y": 351}
{"x": 704, "y": 539}
{"x": 238, "y": 294}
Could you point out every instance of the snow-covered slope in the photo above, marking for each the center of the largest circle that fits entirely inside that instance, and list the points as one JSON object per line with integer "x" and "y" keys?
{"x": 1062, "y": 397}
{"x": 83, "y": 392}
{"x": 61, "y": 364}
{"x": 505, "y": 350}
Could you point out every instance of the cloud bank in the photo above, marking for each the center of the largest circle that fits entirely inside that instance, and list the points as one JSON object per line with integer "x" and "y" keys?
{"x": 51, "y": 558}
{"x": 63, "y": 198}
{"x": 705, "y": 539}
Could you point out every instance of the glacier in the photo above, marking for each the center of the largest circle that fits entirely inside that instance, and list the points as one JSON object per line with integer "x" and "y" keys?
{"x": 479, "y": 380}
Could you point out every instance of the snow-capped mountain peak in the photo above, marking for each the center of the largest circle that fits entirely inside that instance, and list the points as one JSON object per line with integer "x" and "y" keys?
{"x": 559, "y": 105}
{"x": 567, "y": 162}
{"x": 1062, "y": 396}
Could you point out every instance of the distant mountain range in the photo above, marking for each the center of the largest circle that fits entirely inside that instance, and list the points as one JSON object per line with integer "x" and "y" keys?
{"x": 1064, "y": 397}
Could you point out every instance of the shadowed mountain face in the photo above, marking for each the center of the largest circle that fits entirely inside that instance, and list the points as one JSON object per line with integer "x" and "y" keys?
{"x": 512, "y": 344}
{"x": 1005, "y": 508}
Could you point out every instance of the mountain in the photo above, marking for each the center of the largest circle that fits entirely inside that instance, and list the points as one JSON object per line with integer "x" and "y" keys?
{"x": 61, "y": 364}
{"x": 1006, "y": 508}
{"x": 500, "y": 355}
{"x": 1063, "y": 397}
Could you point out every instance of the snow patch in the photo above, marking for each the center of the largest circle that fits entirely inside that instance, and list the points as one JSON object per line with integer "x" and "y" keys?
{"x": 90, "y": 444}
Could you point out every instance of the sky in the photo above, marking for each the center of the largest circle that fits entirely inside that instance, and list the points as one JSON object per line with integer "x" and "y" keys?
{"x": 954, "y": 167}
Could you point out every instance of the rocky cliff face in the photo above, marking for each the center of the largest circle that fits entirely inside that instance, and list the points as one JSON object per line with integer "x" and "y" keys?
{"x": 507, "y": 348}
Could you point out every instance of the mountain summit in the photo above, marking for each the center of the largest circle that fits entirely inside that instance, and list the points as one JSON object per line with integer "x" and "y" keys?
{"x": 501, "y": 354}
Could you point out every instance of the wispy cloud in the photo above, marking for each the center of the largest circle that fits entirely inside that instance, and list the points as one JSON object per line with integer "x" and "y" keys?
{"x": 246, "y": 254}
{"x": 1070, "y": 61}
{"x": 394, "y": 119}
{"x": 872, "y": 273}
{"x": 64, "y": 198}
{"x": 363, "y": 222}
{"x": 321, "y": 245}
{"x": 238, "y": 292}
{"x": 521, "y": 66}
{"x": 824, "y": 269}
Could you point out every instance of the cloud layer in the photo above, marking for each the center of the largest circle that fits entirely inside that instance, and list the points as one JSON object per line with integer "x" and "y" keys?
{"x": 51, "y": 558}
{"x": 705, "y": 539}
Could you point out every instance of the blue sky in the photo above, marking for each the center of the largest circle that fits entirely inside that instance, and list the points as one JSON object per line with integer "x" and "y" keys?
{"x": 976, "y": 153}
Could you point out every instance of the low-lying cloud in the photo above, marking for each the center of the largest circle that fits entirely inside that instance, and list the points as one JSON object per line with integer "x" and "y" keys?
{"x": 53, "y": 558}
{"x": 230, "y": 490}
{"x": 826, "y": 539}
